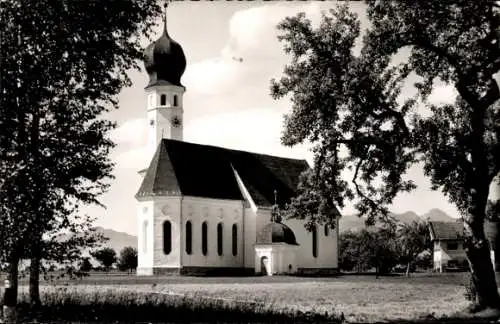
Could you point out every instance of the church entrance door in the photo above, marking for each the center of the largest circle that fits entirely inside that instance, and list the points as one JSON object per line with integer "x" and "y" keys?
{"x": 264, "y": 266}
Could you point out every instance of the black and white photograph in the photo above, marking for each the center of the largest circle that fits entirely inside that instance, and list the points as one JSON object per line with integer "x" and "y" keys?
{"x": 169, "y": 161}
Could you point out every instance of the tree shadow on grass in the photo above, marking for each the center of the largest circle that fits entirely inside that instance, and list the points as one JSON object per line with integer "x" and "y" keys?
{"x": 183, "y": 313}
{"x": 166, "y": 313}
{"x": 205, "y": 313}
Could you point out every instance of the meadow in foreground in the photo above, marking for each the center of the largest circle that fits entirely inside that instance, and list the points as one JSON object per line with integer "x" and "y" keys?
{"x": 359, "y": 298}
{"x": 86, "y": 304}
{"x": 257, "y": 299}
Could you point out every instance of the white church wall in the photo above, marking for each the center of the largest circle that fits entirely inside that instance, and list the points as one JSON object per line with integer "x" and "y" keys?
{"x": 167, "y": 209}
{"x": 144, "y": 238}
{"x": 288, "y": 259}
{"x": 280, "y": 258}
{"x": 327, "y": 246}
{"x": 250, "y": 236}
{"x": 213, "y": 211}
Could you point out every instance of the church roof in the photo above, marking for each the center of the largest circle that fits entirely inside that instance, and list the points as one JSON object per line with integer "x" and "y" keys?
{"x": 182, "y": 168}
{"x": 276, "y": 233}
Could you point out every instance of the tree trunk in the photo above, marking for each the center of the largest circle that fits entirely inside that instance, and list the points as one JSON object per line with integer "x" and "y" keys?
{"x": 34, "y": 291}
{"x": 10, "y": 293}
{"x": 36, "y": 237}
{"x": 483, "y": 274}
{"x": 408, "y": 269}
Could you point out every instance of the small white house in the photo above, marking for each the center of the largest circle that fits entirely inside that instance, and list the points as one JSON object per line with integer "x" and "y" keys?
{"x": 448, "y": 248}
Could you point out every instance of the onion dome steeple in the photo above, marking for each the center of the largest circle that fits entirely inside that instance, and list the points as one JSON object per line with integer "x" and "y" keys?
{"x": 164, "y": 59}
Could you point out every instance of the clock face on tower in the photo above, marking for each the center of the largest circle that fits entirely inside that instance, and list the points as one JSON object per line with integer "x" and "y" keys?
{"x": 176, "y": 121}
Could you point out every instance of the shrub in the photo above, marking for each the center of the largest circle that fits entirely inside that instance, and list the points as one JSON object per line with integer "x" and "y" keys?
{"x": 470, "y": 288}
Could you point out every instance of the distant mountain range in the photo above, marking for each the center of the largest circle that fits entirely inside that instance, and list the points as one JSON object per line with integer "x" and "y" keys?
{"x": 119, "y": 240}
{"x": 352, "y": 222}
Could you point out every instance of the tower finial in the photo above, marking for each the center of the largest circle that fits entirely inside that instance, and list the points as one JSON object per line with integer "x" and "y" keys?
{"x": 165, "y": 6}
{"x": 275, "y": 210}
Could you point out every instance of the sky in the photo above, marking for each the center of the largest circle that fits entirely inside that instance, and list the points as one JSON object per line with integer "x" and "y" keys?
{"x": 227, "y": 102}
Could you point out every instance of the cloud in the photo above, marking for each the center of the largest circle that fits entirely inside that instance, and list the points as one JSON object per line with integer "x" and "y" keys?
{"x": 257, "y": 130}
{"x": 253, "y": 31}
{"x": 136, "y": 159}
{"x": 130, "y": 133}
{"x": 213, "y": 76}
{"x": 253, "y": 39}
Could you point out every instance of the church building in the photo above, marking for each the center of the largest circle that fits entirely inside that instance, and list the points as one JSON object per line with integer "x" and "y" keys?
{"x": 206, "y": 210}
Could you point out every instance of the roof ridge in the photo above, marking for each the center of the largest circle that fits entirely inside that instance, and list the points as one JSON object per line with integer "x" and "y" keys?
{"x": 233, "y": 150}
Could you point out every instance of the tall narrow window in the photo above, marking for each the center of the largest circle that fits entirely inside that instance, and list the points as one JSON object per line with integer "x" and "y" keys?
{"x": 145, "y": 236}
{"x": 327, "y": 230}
{"x": 175, "y": 101}
{"x": 163, "y": 100}
{"x": 235, "y": 239}
{"x": 189, "y": 238}
{"x": 167, "y": 237}
{"x": 220, "y": 240}
{"x": 315, "y": 241}
{"x": 204, "y": 238}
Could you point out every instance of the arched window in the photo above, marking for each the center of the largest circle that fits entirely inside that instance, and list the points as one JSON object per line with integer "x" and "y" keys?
{"x": 163, "y": 100}
{"x": 204, "y": 238}
{"x": 189, "y": 238}
{"x": 167, "y": 237}
{"x": 327, "y": 230}
{"x": 220, "y": 241}
{"x": 145, "y": 236}
{"x": 235, "y": 239}
{"x": 315, "y": 241}
{"x": 175, "y": 101}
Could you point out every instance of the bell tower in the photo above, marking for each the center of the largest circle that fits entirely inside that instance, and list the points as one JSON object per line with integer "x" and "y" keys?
{"x": 165, "y": 112}
{"x": 158, "y": 222}
{"x": 165, "y": 63}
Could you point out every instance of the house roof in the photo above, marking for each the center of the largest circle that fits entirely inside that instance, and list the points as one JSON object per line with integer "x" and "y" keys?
{"x": 182, "y": 168}
{"x": 446, "y": 230}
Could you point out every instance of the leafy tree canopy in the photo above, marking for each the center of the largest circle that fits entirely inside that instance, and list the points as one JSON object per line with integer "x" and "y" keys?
{"x": 128, "y": 258}
{"x": 63, "y": 65}
{"x": 351, "y": 105}
{"x": 356, "y": 109}
{"x": 106, "y": 256}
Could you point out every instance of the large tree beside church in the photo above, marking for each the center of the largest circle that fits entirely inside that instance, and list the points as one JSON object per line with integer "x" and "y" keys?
{"x": 63, "y": 63}
{"x": 350, "y": 98}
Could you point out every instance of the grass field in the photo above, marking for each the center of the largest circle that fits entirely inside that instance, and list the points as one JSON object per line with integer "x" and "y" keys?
{"x": 359, "y": 298}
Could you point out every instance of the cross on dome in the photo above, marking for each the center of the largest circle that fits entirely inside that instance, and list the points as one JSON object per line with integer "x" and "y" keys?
{"x": 164, "y": 58}
{"x": 165, "y": 7}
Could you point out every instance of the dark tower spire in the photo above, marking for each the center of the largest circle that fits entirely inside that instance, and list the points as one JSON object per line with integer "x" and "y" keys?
{"x": 165, "y": 6}
{"x": 164, "y": 58}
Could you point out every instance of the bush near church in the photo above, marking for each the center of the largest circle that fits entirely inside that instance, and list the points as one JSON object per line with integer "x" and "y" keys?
{"x": 106, "y": 257}
{"x": 128, "y": 259}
